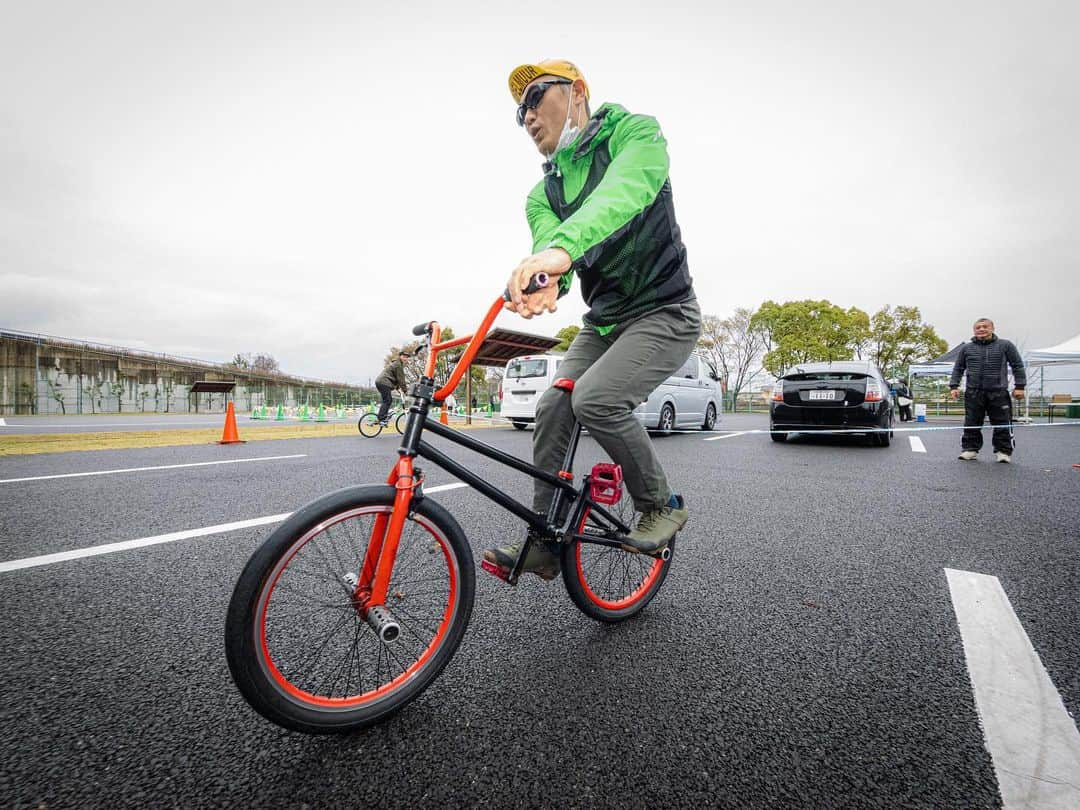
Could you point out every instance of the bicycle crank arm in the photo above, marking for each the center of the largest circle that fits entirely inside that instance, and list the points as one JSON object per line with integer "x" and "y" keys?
{"x": 620, "y": 542}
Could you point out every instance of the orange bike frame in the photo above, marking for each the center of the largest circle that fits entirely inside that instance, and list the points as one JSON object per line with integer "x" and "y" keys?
{"x": 386, "y": 533}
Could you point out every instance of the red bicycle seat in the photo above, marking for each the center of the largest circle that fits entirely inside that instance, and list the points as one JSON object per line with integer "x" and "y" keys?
{"x": 565, "y": 383}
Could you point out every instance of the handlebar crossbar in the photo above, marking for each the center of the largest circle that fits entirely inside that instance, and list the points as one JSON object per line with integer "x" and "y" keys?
{"x": 474, "y": 340}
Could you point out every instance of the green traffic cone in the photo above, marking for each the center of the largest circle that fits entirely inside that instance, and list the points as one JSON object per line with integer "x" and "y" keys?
{"x": 280, "y": 412}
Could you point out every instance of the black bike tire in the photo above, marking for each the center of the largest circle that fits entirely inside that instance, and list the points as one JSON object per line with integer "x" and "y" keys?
{"x": 372, "y": 422}
{"x": 583, "y": 598}
{"x": 399, "y": 423}
{"x": 242, "y": 632}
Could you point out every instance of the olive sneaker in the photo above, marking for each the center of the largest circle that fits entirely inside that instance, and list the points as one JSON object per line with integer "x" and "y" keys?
{"x": 1003, "y": 458}
{"x": 968, "y": 455}
{"x": 656, "y": 528}
{"x": 542, "y": 559}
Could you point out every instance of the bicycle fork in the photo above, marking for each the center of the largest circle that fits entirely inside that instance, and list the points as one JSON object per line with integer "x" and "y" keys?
{"x": 369, "y": 593}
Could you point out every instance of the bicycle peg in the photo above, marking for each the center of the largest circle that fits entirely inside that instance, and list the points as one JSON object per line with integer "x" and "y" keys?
{"x": 537, "y": 282}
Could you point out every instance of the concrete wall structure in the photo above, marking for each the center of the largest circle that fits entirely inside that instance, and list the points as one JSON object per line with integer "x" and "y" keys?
{"x": 40, "y": 374}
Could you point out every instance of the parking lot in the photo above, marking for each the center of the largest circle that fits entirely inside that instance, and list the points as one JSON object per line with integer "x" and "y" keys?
{"x": 804, "y": 651}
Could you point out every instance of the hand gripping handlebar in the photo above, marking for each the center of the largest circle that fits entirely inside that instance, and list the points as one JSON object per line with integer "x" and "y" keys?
{"x": 537, "y": 282}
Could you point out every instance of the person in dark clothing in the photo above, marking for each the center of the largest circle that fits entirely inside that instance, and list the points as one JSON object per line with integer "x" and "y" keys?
{"x": 987, "y": 360}
{"x": 393, "y": 376}
{"x": 903, "y": 400}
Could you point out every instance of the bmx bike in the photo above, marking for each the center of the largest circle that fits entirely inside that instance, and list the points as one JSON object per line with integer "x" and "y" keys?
{"x": 355, "y": 604}
{"x": 370, "y": 426}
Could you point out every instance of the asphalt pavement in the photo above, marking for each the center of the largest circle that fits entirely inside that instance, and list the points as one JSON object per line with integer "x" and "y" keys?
{"x": 804, "y": 650}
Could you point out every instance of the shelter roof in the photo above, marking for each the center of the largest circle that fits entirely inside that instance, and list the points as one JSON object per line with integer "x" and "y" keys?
{"x": 502, "y": 345}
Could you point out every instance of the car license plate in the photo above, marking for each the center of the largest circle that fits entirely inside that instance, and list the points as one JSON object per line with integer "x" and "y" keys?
{"x": 828, "y": 395}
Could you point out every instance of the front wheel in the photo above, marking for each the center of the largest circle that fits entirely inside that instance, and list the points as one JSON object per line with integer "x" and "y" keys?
{"x": 607, "y": 583}
{"x": 399, "y": 423}
{"x": 297, "y": 644}
{"x": 370, "y": 425}
{"x": 710, "y": 417}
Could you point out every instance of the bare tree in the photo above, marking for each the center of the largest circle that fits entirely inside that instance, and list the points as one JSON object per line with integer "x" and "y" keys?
{"x": 735, "y": 346}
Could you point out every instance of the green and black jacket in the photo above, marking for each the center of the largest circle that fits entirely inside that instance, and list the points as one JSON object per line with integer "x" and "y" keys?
{"x": 606, "y": 200}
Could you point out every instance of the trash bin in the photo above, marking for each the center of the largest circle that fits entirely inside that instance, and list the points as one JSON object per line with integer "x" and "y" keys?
{"x": 920, "y": 411}
{"x": 1072, "y": 411}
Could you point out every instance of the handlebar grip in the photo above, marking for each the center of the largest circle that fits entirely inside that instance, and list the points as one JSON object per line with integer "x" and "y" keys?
{"x": 421, "y": 328}
{"x": 537, "y": 282}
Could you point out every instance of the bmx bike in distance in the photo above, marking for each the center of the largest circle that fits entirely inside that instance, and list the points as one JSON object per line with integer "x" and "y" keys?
{"x": 355, "y": 604}
{"x": 370, "y": 426}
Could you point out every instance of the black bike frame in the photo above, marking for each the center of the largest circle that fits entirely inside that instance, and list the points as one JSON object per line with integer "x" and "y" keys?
{"x": 412, "y": 445}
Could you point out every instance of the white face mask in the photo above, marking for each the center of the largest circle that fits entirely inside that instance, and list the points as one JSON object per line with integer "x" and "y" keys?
{"x": 569, "y": 131}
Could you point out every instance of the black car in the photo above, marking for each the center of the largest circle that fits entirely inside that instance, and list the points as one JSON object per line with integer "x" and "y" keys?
{"x": 850, "y": 395}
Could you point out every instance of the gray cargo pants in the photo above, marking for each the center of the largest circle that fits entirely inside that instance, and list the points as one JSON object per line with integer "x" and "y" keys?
{"x": 613, "y": 374}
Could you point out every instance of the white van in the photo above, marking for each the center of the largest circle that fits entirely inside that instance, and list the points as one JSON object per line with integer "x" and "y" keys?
{"x": 525, "y": 379}
{"x": 689, "y": 398}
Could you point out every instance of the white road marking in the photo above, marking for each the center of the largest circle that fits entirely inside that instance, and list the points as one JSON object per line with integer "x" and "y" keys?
{"x": 127, "y": 545}
{"x": 916, "y": 444}
{"x": 1034, "y": 743}
{"x": 730, "y": 435}
{"x": 207, "y": 423}
{"x": 3, "y": 423}
{"x": 140, "y": 469}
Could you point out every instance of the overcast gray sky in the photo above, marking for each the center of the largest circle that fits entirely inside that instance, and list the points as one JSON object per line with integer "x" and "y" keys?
{"x": 312, "y": 179}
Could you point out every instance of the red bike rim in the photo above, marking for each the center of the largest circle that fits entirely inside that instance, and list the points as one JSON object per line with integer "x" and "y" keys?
{"x": 304, "y": 696}
{"x": 648, "y": 580}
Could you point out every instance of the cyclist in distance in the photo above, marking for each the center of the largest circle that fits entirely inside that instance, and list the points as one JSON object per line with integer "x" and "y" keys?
{"x": 393, "y": 376}
{"x": 603, "y": 212}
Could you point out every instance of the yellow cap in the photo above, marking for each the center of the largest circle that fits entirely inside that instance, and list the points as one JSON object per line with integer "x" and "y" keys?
{"x": 523, "y": 75}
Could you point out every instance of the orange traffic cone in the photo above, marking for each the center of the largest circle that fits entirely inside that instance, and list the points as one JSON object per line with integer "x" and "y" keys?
{"x": 442, "y": 416}
{"x": 230, "y": 436}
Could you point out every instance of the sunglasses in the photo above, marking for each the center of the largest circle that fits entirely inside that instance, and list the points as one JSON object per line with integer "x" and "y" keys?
{"x": 533, "y": 96}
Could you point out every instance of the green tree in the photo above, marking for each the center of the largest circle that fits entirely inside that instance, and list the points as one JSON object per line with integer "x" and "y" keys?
{"x": 898, "y": 338}
{"x": 566, "y": 336}
{"x": 806, "y": 331}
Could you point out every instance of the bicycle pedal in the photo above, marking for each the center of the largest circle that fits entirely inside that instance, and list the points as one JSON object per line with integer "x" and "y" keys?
{"x": 496, "y": 570}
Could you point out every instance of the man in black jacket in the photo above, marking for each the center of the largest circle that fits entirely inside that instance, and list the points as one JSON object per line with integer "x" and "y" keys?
{"x": 987, "y": 359}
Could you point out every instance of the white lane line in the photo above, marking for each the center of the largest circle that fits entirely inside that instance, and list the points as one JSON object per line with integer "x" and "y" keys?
{"x": 729, "y": 436}
{"x": 140, "y": 469}
{"x": 94, "y": 425}
{"x": 3, "y": 423}
{"x": 1033, "y": 741}
{"x": 127, "y": 545}
{"x": 916, "y": 444}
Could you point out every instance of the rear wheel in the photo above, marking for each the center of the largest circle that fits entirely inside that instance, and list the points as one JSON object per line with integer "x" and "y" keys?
{"x": 776, "y": 437}
{"x": 518, "y": 424}
{"x": 369, "y": 425}
{"x": 297, "y": 644}
{"x": 607, "y": 583}
{"x": 667, "y": 419}
{"x": 885, "y": 437}
{"x": 710, "y": 417}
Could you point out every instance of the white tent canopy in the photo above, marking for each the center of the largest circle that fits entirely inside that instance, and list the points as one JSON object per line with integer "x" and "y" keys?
{"x": 1067, "y": 352}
